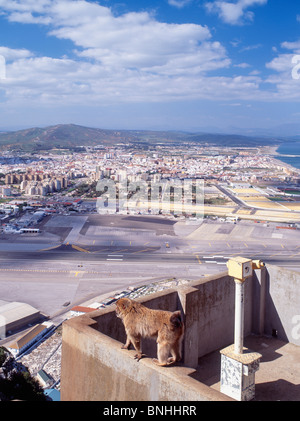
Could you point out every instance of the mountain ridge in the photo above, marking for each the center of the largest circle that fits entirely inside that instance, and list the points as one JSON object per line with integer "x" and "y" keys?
{"x": 74, "y": 136}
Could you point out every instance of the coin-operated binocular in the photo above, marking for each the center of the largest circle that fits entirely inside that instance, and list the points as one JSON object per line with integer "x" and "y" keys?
{"x": 239, "y": 268}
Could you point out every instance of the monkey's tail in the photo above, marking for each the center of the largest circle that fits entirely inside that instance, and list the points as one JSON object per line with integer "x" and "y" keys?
{"x": 176, "y": 319}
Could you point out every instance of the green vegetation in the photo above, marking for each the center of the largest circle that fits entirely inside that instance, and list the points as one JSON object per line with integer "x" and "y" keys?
{"x": 3, "y": 354}
{"x": 89, "y": 190}
{"x": 17, "y": 383}
{"x": 72, "y": 137}
{"x": 21, "y": 386}
{"x": 292, "y": 191}
{"x": 216, "y": 201}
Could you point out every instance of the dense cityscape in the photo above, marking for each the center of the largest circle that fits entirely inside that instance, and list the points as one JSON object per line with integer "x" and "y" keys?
{"x": 65, "y": 174}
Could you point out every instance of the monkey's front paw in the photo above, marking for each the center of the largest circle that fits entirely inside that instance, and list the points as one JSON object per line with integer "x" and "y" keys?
{"x": 158, "y": 363}
{"x": 138, "y": 356}
{"x": 124, "y": 347}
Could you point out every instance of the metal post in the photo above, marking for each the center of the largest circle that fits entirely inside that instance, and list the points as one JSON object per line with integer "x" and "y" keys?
{"x": 239, "y": 317}
{"x": 239, "y": 364}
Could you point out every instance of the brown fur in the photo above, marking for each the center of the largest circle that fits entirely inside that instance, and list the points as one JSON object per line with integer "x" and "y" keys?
{"x": 140, "y": 321}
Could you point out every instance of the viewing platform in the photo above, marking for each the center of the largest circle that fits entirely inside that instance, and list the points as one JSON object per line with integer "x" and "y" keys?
{"x": 95, "y": 368}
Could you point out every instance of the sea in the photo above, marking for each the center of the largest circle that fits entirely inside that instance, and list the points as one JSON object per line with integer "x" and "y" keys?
{"x": 292, "y": 152}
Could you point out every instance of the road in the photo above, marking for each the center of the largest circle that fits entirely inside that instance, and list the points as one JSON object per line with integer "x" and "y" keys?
{"x": 234, "y": 198}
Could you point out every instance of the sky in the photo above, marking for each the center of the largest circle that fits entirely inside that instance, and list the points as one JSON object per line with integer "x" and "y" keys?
{"x": 194, "y": 65}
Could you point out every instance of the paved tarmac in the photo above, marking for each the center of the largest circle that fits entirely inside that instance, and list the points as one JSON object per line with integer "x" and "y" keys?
{"x": 80, "y": 256}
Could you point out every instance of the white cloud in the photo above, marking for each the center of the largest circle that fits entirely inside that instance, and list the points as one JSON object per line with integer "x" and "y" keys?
{"x": 126, "y": 58}
{"x": 130, "y": 40}
{"x": 32, "y": 6}
{"x": 295, "y": 46}
{"x": 13, "y": 54}
{"x": 179, "y": 3}
{"x": 234, "y": 13}
{"x": 63, "y": 81}
{"x": 242, "y": 65}
{"x": 285, "y": 84}
{"x": 282, "y": 63}
{"x": 27, "y": 17}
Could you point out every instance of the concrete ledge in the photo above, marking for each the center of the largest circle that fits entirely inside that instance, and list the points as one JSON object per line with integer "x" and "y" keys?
{"x": 95, "y": 368}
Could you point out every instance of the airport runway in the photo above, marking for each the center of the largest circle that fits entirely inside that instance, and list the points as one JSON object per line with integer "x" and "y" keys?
{"x": 154, "y": 255}
{"x": 79, "y": 258}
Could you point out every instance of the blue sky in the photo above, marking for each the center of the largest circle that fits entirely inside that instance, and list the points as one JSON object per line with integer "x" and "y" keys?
{"x": 213, "y": 65}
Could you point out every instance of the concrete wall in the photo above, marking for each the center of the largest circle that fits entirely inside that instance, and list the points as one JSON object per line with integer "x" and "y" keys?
{"x": 282, "y": 304}
{"x": 94, "y": 367}
{"x": 208, "y": 306}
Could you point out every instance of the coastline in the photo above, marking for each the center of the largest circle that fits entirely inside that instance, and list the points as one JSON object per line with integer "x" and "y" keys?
{"x": 271, "y": 151}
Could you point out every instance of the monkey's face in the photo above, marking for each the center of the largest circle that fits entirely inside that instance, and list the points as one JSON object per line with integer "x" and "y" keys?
{"x": 121, "y": 306}
{"x": 118, "y": 311}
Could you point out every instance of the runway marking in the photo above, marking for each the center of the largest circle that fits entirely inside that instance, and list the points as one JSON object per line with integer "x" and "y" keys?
{"x": 79, "y": 271}
{"x": 282, "y": 246}
{"x": 50, "y": 248}
{"x": 228, "y": 245}
{"x": 48, "y": 271}
{"x": 210, "y": 245}
{"x": 273, "y": 255}
{"x": 199, "y": 261}
{"x": 246, "y": 245}
{"x": 147, "y": 243}
{"x": 141, "y": 251}
{"x": 80, "y": 249}
{"x": 210, "y": 257}
{"x": 35, "y": 270}
{"x": 294, "y": 255}
{"x": 118, "y": 251}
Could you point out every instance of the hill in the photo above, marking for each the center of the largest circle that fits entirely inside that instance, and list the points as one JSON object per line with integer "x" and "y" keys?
{"x": 72, "y": 136}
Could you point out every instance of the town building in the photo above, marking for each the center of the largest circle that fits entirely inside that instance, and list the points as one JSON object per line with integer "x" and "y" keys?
{"x": 28, "y": 339}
